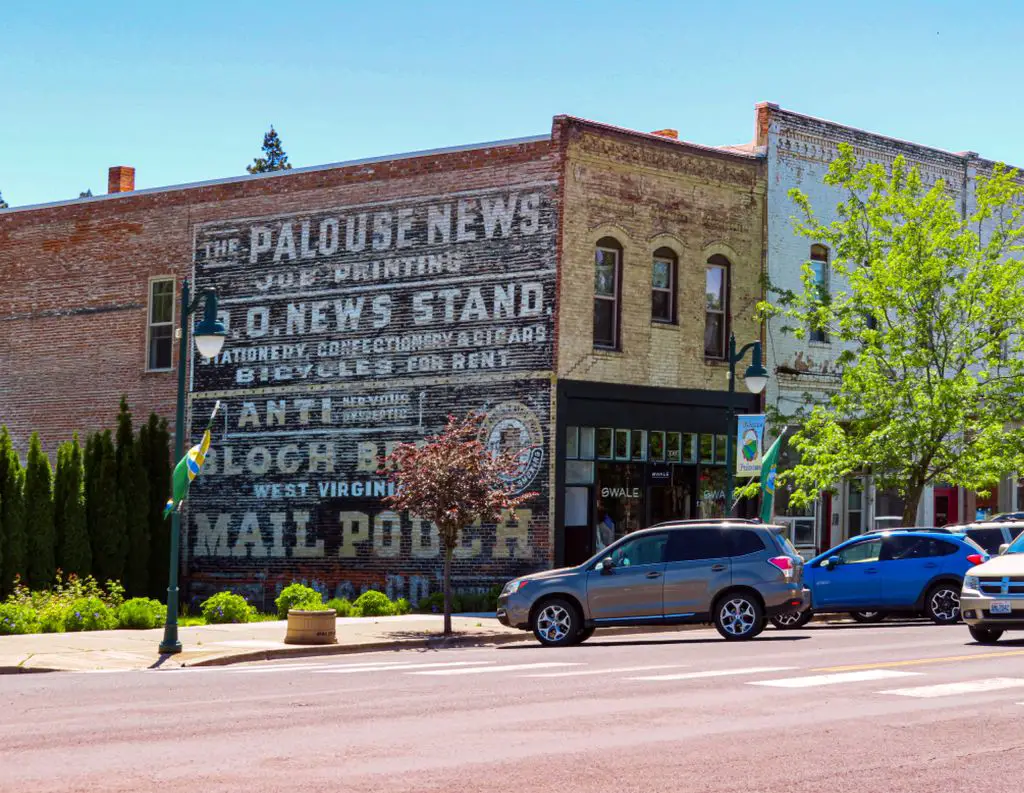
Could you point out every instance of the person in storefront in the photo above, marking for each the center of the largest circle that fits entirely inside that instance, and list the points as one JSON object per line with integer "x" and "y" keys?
{"x": 604, "y": 530}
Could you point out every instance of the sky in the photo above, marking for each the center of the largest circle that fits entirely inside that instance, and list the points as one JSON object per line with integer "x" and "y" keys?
{"x": 184, "y": 91}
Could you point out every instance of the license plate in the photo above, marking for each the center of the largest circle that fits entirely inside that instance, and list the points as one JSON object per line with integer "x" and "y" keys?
{"x": 1000, "y": 607}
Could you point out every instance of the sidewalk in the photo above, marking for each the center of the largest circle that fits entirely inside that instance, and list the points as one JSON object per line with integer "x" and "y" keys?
{"x": 210, "y": 645}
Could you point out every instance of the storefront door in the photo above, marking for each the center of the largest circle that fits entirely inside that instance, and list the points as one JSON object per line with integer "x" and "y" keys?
{"x": 947, "y": 507}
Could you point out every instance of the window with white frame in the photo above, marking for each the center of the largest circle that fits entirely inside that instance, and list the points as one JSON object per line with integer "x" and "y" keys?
{"x": 160, "y": 325}
{"x": 607, "y": 288}
{"x": 663, "y": 286}
{"x": 819, "y": 267}
{"x": 716, "y": 301}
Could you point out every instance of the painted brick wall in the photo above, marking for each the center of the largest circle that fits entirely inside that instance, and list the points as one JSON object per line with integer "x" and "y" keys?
{"x": 650, "y": 193}
{"x": 72, "y": 340}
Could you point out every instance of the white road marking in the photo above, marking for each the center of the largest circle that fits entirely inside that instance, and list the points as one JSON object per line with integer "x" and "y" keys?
{"x": 967, "y": 687}
{"x": 342, "y": 670}
{"x": 581, "y": 672}
{"x": 835, "y": 679}
{"x": 295, "y": 668}
{"x": 753, "y": 670}
{"x": 482, "y": 669}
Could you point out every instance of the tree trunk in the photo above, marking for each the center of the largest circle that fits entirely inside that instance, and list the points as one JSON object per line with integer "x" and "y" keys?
{"x": 447, "y": 584}
{"x": 910, "y": 505}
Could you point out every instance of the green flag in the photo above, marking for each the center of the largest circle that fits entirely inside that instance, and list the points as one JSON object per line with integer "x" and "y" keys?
{"x": 768, "y": 464}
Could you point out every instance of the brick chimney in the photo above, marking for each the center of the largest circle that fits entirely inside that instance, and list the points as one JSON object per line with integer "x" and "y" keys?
{"x": 667, "y": 133}
{"x": 120, "y": 179}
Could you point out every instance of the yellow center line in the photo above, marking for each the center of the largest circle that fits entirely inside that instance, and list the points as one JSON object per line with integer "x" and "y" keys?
{"x": 918, "y": 661}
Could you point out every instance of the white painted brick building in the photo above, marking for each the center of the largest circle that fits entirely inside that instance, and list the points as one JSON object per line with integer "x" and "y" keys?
{"x": 799, "y": 149}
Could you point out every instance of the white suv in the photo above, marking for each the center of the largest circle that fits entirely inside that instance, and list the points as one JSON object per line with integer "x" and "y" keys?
{"x": 992, "y": 599}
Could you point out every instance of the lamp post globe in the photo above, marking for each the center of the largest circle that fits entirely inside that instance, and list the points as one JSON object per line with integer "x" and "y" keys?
{"x": 756, "y": 378}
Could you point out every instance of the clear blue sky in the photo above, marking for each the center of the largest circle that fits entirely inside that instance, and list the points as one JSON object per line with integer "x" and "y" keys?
{"x": 184, "y": 90}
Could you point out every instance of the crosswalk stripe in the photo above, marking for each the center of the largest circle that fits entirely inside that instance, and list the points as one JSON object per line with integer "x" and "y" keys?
{"x": 248, "y": 670}
{"x": 395, "y": 667}
{"x": 753, "y": 670}
{"x": 966, "y": 687}
{"x": 582, "y": 672}
{"x": 835, "y": 679}
{"x": 475, "y": 670}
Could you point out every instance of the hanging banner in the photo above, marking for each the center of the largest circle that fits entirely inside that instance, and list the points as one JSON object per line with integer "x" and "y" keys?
{"x": 749, "y": 444}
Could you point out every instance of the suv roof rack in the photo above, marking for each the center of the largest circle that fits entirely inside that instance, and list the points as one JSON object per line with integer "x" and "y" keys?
{"x": 705, "y": 521}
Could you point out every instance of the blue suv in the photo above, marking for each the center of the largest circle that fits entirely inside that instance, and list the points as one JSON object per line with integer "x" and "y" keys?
{"x": 877, "y": 574}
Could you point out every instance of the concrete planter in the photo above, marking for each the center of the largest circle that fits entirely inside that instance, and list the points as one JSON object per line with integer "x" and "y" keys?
{"x": 311, "y": 627}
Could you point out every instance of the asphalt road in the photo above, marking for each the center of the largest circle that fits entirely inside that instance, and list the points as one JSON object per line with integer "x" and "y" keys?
{"x": 904, "y": 707}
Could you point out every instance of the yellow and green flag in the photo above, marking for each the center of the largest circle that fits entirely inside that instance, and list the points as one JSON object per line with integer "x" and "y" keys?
{"x": 188, "y": 467}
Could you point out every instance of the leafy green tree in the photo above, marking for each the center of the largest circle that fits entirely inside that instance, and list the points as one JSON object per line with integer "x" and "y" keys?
{"x": 73, "y": 552}
{"x": 42, "y": 563}
{"x": 926, "y": 310}
{"x": 273, "y": 159}
{"x": 12, "y": 504}
{"x": 133, "y": 487}
{"x": 106, "y": 509}
{"x": 155, "y": 452}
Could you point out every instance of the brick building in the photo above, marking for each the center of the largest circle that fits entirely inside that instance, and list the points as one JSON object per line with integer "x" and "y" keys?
{"x": 578, "y": 287}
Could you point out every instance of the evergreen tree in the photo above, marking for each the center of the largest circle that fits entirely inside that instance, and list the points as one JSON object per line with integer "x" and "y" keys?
{"x": 3, "y": 204}
{"x": 73, "y": 553}
{"x": 107, "y": 530}
{"x": 41, "y": 562}
{"x": 12, "y": 502}
{"x": 86, "y": 194}
{"x": 274, "y": 158}
{"x": 155, "y": 452}
{"x": 91, "y": 469}
{"x": 133, "y": 486}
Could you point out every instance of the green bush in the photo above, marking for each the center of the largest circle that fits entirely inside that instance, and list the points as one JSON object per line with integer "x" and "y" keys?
{"x": 374, "y": 604}
{"x": 141, "y": 613}
{"x": 226, "y": 607}
{"x": 297, "y": 596}
{"x": 89, "y": 614}
{"x": 402, "y": 606}
{"x": 53, "y": 616}
{"x": 15, "y": 618}
{"x": 341, "y": 607}
{"x": 434, "y": 603}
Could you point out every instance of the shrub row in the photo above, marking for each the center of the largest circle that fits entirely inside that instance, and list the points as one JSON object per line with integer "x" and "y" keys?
{"x": 461, "y": 602}
{"x": 369, "y": 604}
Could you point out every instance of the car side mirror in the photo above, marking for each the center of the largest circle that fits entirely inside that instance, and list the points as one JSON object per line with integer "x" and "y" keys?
{"x": 831, "y": 563}
{"x": 1004, "y": 548}
{"x": 606, "y": 565}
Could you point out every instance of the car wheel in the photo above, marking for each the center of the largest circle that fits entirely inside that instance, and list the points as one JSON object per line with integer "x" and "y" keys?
{"x": 556, "y": 623}
{"x": 583, "y": 635}
{"x": 738, "y": 616}
{"x": 794, "y": 619}
{"x": 984, "y": 635}
{"x": 867, "y": 616}
{"x": 942, "y": 605}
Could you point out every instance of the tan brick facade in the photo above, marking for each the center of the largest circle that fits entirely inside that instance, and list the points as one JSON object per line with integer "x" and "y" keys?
{"x": 650, "y": 192}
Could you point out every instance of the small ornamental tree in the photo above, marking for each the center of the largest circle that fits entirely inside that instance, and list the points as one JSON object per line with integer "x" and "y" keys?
{"x": 274, "y": 158}
{"x": 41, "y": 563}
{"x": 453, "y": 480}
{"x": 12, "y": 514}
{"x": 107, "y": 537}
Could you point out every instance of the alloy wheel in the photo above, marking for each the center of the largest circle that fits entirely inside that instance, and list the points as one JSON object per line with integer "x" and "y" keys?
{"x": 738, "y": 616}
{"x": 554, "y": 622}
{"x": 945, "y": 604}
{"x": 789, "y": 619}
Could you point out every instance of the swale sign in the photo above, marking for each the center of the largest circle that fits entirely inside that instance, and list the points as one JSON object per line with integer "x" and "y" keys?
{"x": 350, "y": 331}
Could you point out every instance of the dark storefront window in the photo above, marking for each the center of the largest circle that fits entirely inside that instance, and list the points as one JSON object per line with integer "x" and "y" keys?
{"x": 720, "y": 448}
{"x": 711, "y": 492}
{"x": 604, "y": 443}
{"x": 707, "y": 448}
{"x": 656, "y": 447}
{"x": 620, "y": 501}
{"x": 638, "y": 440}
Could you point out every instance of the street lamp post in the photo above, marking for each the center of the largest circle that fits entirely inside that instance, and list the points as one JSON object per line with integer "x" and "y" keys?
{"x": 209, "y": 335}
{"x": 756, "y": 378}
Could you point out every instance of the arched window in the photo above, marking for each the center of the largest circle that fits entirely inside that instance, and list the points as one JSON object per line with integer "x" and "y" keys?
{"x": 716, "y": 306}
{"x": 819, "y": 266}
{"x": 663, "y": 285}
{"x": 607, "y": 292}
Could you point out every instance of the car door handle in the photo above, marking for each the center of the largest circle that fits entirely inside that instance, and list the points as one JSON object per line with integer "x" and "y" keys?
{"x": 654, "y": 574}
{"x": 930, "y": 564}
{"x": 717, "y": 568}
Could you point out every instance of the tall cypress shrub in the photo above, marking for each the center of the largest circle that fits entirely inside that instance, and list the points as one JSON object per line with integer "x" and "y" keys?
{"x": 73, "y": 552}
{"x": 12, "y": 503}
{"x": 107, "y": 533}
{"x": 134, "y": 489}
{"x": 41, "y": 562}
{"x": 155, "y": 453}
{"x": 91, "y": 470}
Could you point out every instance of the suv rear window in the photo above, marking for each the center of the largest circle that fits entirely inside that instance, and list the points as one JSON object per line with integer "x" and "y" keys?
{"x": 744, "y": 541}
{"x": 685, "y": 545}
{"x": 989, "y": 539}
{"x": 785, "y": 544}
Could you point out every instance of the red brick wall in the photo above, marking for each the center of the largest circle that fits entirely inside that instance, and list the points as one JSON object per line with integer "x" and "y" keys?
{"x": 73, "y": 335}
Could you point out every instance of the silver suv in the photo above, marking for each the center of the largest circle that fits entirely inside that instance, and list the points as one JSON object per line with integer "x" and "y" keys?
{"x": 734, "y": 573}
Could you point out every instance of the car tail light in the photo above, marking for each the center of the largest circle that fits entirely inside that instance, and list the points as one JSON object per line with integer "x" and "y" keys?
{"x": 785, "y": 564}
{"x": 975, "y": 558}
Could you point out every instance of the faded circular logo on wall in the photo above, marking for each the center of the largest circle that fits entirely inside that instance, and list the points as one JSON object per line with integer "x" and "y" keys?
{"x": 513, "y": 427}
